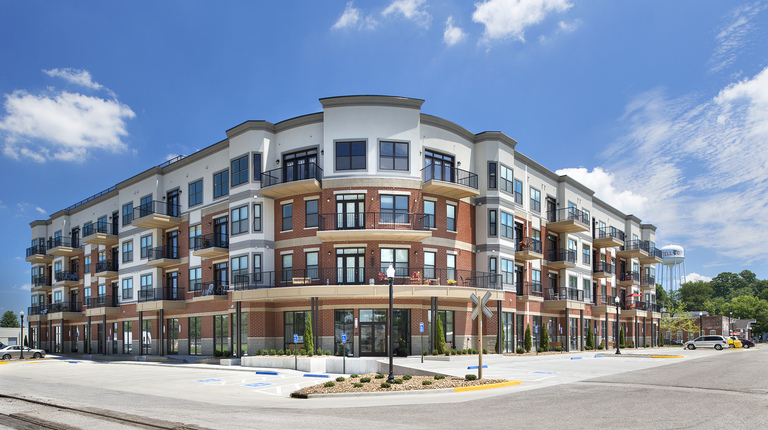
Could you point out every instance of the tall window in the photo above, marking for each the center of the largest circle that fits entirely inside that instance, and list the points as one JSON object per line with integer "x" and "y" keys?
{"x": 240, "y": 220}
{"x": 429, "y": 211}
{"x": 587, "y": 289}
{"x": 507, "y": 179}
{"x": 294, "y": 322}
{"x": 257, "y": 217}
{"x": 287, "y": 267}
{"x": 508, "y": 271}
{"x": 194, "y": 232}
{"x": 127, "y": 213}
{"x": 450, "y": 224}
{"x": 448, "y": 325}
{"x": 451, "y": 263}
{"x": 350, "y": 155}
{"x": 572, "y": 245}
{"x": 145, "y": 205}
{"x": 127, "y": 337}
{"x": 128, "y": 288}
{"x": 127, "y": 251}
{"x": 536, "y": 279}
{"x": 507, "y": 225}
{"x": 220, "y": 333}
{"x": 195, "y": 193}
{"x": 492, "y": 222}
{"x": 573, "y": 282}
{"x": 146, "y": 282}
{"x": 86, "y": 266}
{"x": 429, "y": 265}
{"x": 398, "y": 258}
{"x": 256, "y": 167}
{"x": 257, "y": 268}
{"x": 239, "y": 171}
{"x": 195, "y": 283}
{"x": 394, "y": 209}
{"x": 491, "y": 176}
{"x": 239, "y": 268}
{"x": 535, "y": 200}
{"x": 518, "y": 192}
{"x": 287, "y": 217}
{"x": 585, "y": 254}
{"x": 393, "y": 155}
{"x": 220, "y": 184}
{"x": 146, "y": 337}
{"x": 311, "y": 213}
{"x": 312, "y": 264}
{"x": 146, "y": 244}
{"x": 195, "y": 335}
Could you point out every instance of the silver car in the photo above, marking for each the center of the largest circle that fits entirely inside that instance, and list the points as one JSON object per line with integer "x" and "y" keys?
{"x": 711, "y": 341}
{"x": 14, "y": 351}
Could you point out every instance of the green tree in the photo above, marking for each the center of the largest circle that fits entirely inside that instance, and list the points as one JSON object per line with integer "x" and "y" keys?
{"x": 440, "y": 336}
{"x": 9, "y": 320}
{"x": 694, "y": 294}
{"x": 725, "y": 283}
{"x": 590, "y": 339}
{"x": 25, "y": 341}
{"x": 308, "y": 341}
{"x": 544, "y": 343}
{"x": 677, "y": 319}
{"x": 716, "y": 306}
{"x": 750, "y": 307}
{"x": 500, "y": 346}
{"x": 661, "y": 295}
{"x": 528, "y": 342}
{"x": 621, "y": 337}
{"x": 661, "y": 339}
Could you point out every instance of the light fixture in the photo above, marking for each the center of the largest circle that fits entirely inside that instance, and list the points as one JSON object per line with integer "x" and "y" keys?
{"x": 277, "y": 161}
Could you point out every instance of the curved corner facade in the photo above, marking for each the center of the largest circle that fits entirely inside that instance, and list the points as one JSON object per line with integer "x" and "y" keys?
{"x": 234, "y": 248}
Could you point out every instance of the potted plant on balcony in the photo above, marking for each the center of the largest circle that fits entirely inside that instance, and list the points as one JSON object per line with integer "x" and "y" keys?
{"x": 451, "y": 282}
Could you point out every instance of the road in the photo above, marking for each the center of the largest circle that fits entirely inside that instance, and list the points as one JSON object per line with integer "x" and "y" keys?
{"x": 705, "y": 388}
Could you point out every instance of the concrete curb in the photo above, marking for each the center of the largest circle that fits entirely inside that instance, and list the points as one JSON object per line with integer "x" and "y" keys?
{"x": 412, "y": 392}
{"x": 638, "y": 356}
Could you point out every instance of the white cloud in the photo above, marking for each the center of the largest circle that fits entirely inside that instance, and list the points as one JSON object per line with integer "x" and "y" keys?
{"x": 2, "y": 206}
{"x": 452, "y": 35}
{"x": 75, "y": 76}
{"x": 602, "y": 183}
{"x": 25, "y": 287}
{"x": 505, "y": 19}
{"x": 40, "y": 210}
{"x": 693, "y": 277}
{"x": 413, "y": 10}
{"x": 354, "y": 18}
{"x": 734, "y": 35}
{"x": 61, "y": 125}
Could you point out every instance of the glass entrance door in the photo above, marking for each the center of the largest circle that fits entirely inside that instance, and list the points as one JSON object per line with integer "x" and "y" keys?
{"x": 373, "y": 332}
{"x": 343, "y": 322}
{"x": 350, "y": 263}
{"x": 350, "y": 211}
{"x": 173, "y": 203}
{"x": 402, "y": 332}
{"x": 173, "y": 336}
{"x": 172, "y": 245}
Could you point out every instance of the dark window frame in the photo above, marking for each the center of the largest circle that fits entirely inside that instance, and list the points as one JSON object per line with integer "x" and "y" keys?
{"x": 492, "y": 176}
{"x": 195, "y": 195}
{"x": 450, "y": 221}
{"x": 240, "y": 176}
{"x": 257, "y": 166}
{"x": 493, "y": 222}
{"x": 310, "y": 217}
{"x": 431, "y": 221}
{"x": 220, "y": 182}
{"x": 241, "y": 224}
{"x": 286, "y": 219}
{"x": 535, "y": 203}
{"x": 257, "y": 228}
{"x": 127, "y": 255}
{"x": 145, "y": 247}
{"x": 349, "y": 154}
{"x": 394, "y": 157}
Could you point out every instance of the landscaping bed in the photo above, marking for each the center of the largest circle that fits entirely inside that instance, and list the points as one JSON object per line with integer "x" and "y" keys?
{"x": 371, "y": 383}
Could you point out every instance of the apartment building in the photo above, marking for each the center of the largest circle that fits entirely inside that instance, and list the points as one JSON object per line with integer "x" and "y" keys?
{"x": 234, "y": 247}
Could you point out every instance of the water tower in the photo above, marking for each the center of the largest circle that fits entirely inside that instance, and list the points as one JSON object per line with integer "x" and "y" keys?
{"x": 673, "y": 271}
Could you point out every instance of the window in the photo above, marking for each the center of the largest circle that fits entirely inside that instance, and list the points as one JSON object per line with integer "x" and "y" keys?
{"x": 257, "y": 217}
{"x": 287, "y": 267}
{"x": 429, "y": 211}
{"x": 394, "y": 209}
{"x": 507, "y": 225}
{"x": 393, "y": 155}
{"x": 145, "y": 206}
{"x": 195, "y": 193}
{"x": 239, "y": 170}
{"x": 257, "y": 268}
{"x": 507, "y": 179}
{"x": 573, "y": 282}
{"x": 127, "y": 251}
{"x": 518, "y": 192}
{"x": 492, "y": 222}
{"x": 447, "y": 318}
{"x": 127, "y": 213}
{"x": 535, "y": 200}
{"x": 220, "y": 333}
{"x": 195, "y": 282}
{"x": 127, "y": 337}
{"x": 294, "y": 324}
{"x": 536, "y": 279}
{"x": 240, "y": 220}
{"x": 256, "y": 167}
{"x": 572, "y": 245}
{"x": 398, "y": 258}
{"x": 57, "y": 297}
{"x": 491, "y": 176}
{"x": 86, "y": 265}
{"x": 450, "y": 223}
{"x": 146, "y": 243}
{"x": 350, "y": 155}
{"x": 492, "y": 268}
{"x": 288, "y": 217}
{"x": 312, "y": 264}
{"x": 451, "y": 264}
{"x": 146, "y": 282}
{"x": 310, "y": 219}
{"x": 194, "y": 232}
{"x": 128, "y": 288}
{"x": 508, "y": 271}
{"x": 220, "y": 184}
{"x": 429, "y": 265}
{"x": 587, "y": 289}
{"x": 239, "y": 268}
{"x": 585, "y": 254}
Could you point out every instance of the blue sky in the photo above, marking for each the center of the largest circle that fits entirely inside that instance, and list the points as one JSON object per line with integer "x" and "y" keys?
{"x": 660, "y": 107}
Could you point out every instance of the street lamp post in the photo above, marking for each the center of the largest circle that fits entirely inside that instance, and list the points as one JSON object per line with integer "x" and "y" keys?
{"x": 21, "y": 339}
{"x": 730, "y": 329}
{"x": 391, "y": 276}
{"x": 616, "y": 300}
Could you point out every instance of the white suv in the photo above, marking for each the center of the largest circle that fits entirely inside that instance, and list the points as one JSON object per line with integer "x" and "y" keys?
{"x": 717, "y": 342}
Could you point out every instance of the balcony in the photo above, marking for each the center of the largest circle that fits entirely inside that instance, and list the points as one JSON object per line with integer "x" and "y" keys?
{"x": 64, "y": 247}
{"x": 648, "y": 281}
{"x": 561, "y": 259}
{"x": 529, "y": 291}
{"x": 106, "y": 269}
{"x": 628, "y": 278}
{"x": 163, "y": 256}
{"x": 37, "y": 310}
{"x": 64, "y": 311}
{"x": 37, "y": 254}
{"x": 103, "y": 304}
{"x": 42, "y": 282}
{"x": 528, "y": 248}
{"x": 633, "y": 249}
{"x": 67, "y": 279}
{"x": 212, "y": 245}
{"x": 154, "y": 299}
{"x": 448, "y": 181}
{"x": 570, "y": 220}
{"x": 99, "y": 234}
{"x": 634, "y": 309}
{"x": 608, "y": 238}
{"x": 606, "y": 304}
{"x": 566, "y": 298}
{"x": 654, "y": 256}
{"x": 374, "y": 226}
{"x": 156, "y": 215}
{"x": 291, "y": 180}
{"x": 603, "y": 270}
{"x": 210, "y": 290}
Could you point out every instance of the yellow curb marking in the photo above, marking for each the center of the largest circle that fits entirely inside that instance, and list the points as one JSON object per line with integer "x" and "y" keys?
{"x": 667, "y": 356}
{"x": 487, "y": 386}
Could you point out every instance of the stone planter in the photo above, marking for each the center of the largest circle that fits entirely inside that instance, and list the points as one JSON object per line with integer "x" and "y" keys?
{"x": 305, "y": 364}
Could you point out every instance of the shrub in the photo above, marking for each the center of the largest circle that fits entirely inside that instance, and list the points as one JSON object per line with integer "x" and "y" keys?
{"x": 499, "y": 345}
{"x": 216, "y": 353}
{"x": 539, "y": 349}
{"x": 600, "y": 347}
{"x": 379, "y": 376}
{"x": 559, "y": 348}
{"x": 407, "y": 377}
{"x": 426, "y": 382}
{"x": 435, "y": 352}
{"x": 621, "y": 337}
{"x": 288, "y": 352}
{"x": 319, "y": 351}
{"x": 308, "y": 345}
{"x": 485, "y": 350}
{"x": 340, "y": 379}
{"x": 520, "y": 350}
{"x": 280, "y": 352}
{"x": 327, "y": 352}
{"x": 447, "y": 353}
{"x": 463, "y": 352}
{"x": 272, "y": 352}
{"x": 439, "y": 335}
{"x": 587, "y": 348}
{"x": 397, "y": 381}
{"x": 470, "y": 376}
{"x": 366, "y": 379}
{"x": 544, "y": 338}
{"x": 590, "y": 340}
{"x": 425, "y": 353}
{"x": 439, "y": 377}
{"x": 358, "y": 385}
{"x": 257, "y": 352}
{"x": 329, "y": 384}
{"x": 302, "y": 352}
{"x": 385, "y": 385}
{"x": 528, "y": 342}
{"x": 310, "y": 352}
{"x": 453, "y": 352}
{"x": 661, "y": 339}
{"x": 354, "y": 375}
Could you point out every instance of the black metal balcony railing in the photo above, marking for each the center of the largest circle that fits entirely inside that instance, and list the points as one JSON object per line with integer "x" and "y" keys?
{"x": 528, "y": 244}
{"x": 165, "y": 251}
{"x": 653, "y": 307}
{"x": 127, "y": 218}
{"x": 64, "y": 307}
{"x": 295, "y": 172}
{"x": 106, "y": 266}
{"x": 614, "y": 232}
{"x": 156, "y": 207}
{"x": 374, "y": 221}
{"x": 639, "y": 306}
{"x": 102, "y": 301}
{"x": 63, "y": 241}
{"x": 629, "y": 276}
{"x": 212, "y": 240}
{"x": 66, "y": 276}
{"x": 103, "y": 228}
{"x": 39, "y": 281}
{"x": 635, "y": 245}
{"x": 366, "y": 276}
{"x": 36, "y": 250}
{"x": 209, "y": 288}
{"x": 573, "y": 294}
{"x": 156, "y": 294}
{"x": 37, "y": 310}
{"x": 648, "y": 280}
{"x": 607, "y": 300}
{"x": 654, "y": 252}
{"x": 602, "y": 266}
{"x": 568, "y": 214}
{"x": 566, "y": 255}
{"x": 533, "y": 288}
{"x": 444, "y": 173}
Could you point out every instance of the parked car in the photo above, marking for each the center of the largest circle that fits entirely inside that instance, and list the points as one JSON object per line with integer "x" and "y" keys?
{"x": 14, "y": 351}
{"x": 734, "y": 342}
{"x": 747, "y": 343}
{"x": 717, "y": 342}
